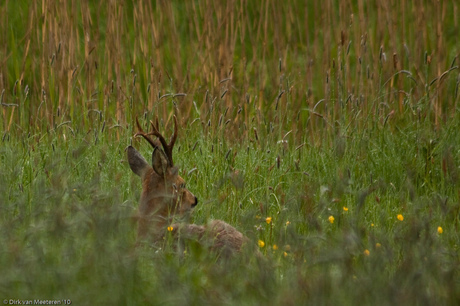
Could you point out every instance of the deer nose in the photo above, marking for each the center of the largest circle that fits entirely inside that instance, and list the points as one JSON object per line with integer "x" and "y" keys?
{"x": 195, "y": 203}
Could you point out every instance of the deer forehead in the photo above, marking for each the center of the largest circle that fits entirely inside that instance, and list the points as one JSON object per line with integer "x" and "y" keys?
{"x": 152, "y": 180}
{"x": 179, "y": 180}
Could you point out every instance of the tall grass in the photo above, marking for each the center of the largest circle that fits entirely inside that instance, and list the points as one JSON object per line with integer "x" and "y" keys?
{"x": 73, "y": 60}
{"x": 331, "y": 118}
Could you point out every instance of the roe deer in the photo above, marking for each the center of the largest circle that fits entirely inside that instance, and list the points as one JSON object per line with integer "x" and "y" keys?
{"x": 164, "y": 195}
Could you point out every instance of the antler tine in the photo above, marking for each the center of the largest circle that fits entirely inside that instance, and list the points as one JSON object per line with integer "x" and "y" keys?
{"x": 143, "y": 134}
{"x": 167, "y": 147}
{"x": 156, "y": 133}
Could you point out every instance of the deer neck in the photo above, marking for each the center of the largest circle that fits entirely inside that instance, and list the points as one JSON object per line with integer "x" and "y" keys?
{"x": 154, "y": 220}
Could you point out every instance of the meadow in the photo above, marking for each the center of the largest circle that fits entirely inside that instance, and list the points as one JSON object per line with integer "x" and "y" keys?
{"x": 325, "y": 131}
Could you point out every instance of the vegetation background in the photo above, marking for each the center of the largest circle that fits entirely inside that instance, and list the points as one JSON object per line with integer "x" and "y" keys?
{"x": 326, "y": 131}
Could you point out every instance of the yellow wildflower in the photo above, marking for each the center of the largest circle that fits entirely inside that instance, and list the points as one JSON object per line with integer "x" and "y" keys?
{"x": 261, "y": 244}
{"x": 378, "y": 245}
{"x": 366, "y": 252}
{"x": 400, "y": 217}
{"x": 331, "y": 219}
{"x": 285, "y": 254}
{"x": 287, "y": 223}
{"x": 268, "y": 220}
{"x": 439, "y": 230}
{"x": 345, "y": 208}
{"x": 170, "y": 228}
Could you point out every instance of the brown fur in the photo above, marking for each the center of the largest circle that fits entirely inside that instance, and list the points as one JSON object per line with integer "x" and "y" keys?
{"x": 217, "y": 235}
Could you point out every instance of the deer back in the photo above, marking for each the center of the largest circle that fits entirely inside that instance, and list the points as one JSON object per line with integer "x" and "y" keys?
{"x": 217, "y": 235}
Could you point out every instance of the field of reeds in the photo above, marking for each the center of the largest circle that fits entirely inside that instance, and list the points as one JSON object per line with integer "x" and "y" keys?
{"x": 325, "y": 131}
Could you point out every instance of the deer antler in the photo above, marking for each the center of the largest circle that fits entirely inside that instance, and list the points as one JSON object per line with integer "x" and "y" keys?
{"x": 166, "y": 147}
{"x": 144, "y": 134}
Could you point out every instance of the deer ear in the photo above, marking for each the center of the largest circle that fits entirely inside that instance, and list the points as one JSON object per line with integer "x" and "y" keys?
{"x": 159, "y": 161}
{"x": 137, "y": 163}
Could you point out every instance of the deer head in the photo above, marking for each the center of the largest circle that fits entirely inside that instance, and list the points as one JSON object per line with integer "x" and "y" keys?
{"x": 163, "y": 190}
